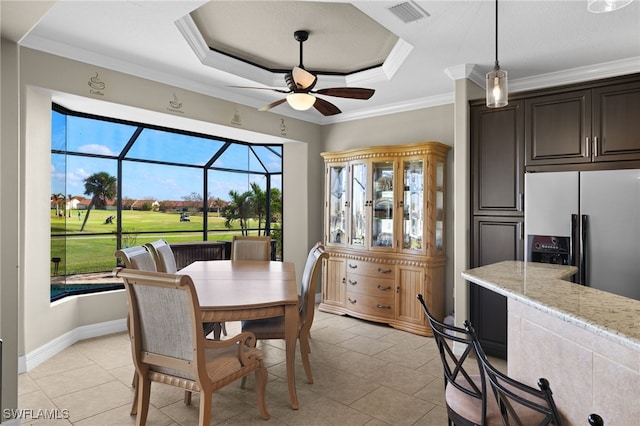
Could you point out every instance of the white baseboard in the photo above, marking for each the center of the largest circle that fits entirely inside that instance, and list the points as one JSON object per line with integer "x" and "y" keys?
{"x": 57, "y": 345}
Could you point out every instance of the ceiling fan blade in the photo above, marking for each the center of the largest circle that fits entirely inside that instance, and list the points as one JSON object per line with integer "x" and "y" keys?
{"x": 303, "y": 78}
{"x": 272, "y": 104}
{"x": 347, "y": 92}
{"x": 262, "y": 88}
{"x": 326, "y": 108}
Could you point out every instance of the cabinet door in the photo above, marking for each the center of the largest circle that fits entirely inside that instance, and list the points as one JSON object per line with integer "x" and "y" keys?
{"x": 336, "y": 204}
{"x": 558, "y": 128}
{"x": 616, "y": 123}
{"x": 436, "y": 207}
{"x": 495, "y": 239}
{"x": 334, "y": 282}
{"x": 498, "y": 159}
{"x": 410, "y": 281}
{"x": 413, "y": 206}
{"x": 358, "y": 204}
{"x": 383, "y": 205}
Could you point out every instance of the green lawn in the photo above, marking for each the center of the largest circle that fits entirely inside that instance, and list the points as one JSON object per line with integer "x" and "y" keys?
{"x": 82, "y": 253}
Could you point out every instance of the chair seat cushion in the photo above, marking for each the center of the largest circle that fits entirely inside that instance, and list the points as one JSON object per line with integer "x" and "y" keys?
{"x": 267, "y": 328}
{"x": 469, "y": 407}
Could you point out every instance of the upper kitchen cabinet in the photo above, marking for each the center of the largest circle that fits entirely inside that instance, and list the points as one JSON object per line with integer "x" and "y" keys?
{"x": 616, "y": 125}
{"x": 384, "y": 232}
{"x": 593, "y": 124}
{"x": 498, "y": 159}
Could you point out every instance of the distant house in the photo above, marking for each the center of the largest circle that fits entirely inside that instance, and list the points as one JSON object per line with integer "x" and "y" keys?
{"x": 140, "y": 205}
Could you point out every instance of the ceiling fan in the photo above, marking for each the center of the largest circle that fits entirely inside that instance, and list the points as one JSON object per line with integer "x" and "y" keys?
{"x": 301, "y": 82}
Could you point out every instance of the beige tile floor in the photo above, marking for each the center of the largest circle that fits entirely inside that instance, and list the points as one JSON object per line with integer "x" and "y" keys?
{"x": 364, "y": 373}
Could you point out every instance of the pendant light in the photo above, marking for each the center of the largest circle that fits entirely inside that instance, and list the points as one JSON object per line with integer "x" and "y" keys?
{"x": 602, "y": 6}
{"x": 497, "y": 91}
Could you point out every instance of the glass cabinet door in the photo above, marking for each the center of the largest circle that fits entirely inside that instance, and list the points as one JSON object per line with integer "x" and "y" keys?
{"x": 439, "y": 231}
{"x": 383, "y": 203}
{"x": 358, "y": 204}
{"x": 337, "y": 204}
{"x": 413, "y": 214}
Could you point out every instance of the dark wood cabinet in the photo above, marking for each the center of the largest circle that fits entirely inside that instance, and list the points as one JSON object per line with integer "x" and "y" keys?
{"x": 616, "y": 124}
{"x": 497, "y": 163}
{"x": 558, "y": 128}
{"x": 584, "y": 126}
{"x": 498, "y": 159}
{"x": 496, "y": 239}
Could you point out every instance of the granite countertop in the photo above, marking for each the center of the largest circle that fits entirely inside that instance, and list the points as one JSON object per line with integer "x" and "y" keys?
{"x": 545, "y": 287}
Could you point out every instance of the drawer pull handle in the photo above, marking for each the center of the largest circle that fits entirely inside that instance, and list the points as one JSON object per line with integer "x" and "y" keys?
{"x": 353, "y": 266}
{"x": 353, "y": 282}
{"x": 384, "y": 271}
{"x": 384, "y": 288}
{"x": 379, "y": 306}
{"x": 352, "y": 301}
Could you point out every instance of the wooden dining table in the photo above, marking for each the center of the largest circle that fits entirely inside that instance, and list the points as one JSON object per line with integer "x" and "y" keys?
{"x": 237, "y": 290}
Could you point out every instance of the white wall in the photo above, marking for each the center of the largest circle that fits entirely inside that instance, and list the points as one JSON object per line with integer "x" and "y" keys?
{"x": 10, "y": 220}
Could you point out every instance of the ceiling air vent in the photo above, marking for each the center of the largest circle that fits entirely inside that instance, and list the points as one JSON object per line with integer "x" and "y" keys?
{"x": 408, "y": 12}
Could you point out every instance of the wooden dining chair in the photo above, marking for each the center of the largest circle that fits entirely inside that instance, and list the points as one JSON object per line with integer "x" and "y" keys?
{"x": 273, "y": 328}
{"x": 169, "y": 347}
{"x": 465, "y": 390}
{"x": 519, "y": 403}
{"x": 250, "y": 248}
{"x": 136, "y": 257}
{"x": 163, "y": 255}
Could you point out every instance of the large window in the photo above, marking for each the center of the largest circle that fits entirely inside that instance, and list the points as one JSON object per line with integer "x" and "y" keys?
{"x": 117, "y": 183}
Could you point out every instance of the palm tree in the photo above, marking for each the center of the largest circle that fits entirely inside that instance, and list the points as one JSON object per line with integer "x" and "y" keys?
{"x": 101, "y": 187}
{"x": 259, "y": 201}
{"x": 239, "y": 208}
{"x": 57, "y": 200}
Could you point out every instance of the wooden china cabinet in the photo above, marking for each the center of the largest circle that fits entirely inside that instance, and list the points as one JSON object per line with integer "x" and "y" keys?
{"x": 384, "y": 231}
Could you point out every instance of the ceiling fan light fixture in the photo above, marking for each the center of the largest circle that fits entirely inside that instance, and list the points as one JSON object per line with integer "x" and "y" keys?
{"x": 603, "y": 6}
{"x": 301, "y": 101}
{"x": 303, "y": 78}
{"x": 497, "y": 85}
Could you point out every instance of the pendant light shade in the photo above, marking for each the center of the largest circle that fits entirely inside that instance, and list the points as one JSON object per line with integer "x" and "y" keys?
{"x": 497, "y": 85}
{"x": 301, "y": 101}
{"x": 601, "y": 6}
{"x": 497, "y": 88}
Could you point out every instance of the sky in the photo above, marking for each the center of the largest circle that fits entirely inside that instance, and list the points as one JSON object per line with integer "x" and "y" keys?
{"x": 141, "y": 180}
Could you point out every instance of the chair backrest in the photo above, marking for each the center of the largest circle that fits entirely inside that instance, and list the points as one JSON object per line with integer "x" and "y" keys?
{"x": 165, "y": 260}
{"x": 519, "y": 403}
{"x": 250, "y": 248}
{"x": 166, "y": 330}
{"x": 310, "y": 284}
{"x": 136, "y": 257}
{"x": 455, "y": 373}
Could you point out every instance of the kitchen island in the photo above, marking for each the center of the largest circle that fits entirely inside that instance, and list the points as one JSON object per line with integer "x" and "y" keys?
{"x": 586, "y": 342}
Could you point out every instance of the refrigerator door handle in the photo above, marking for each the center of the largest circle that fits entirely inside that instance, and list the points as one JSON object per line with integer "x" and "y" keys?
{"x": 583, "y": 249}
{"x": 574, "y": 247}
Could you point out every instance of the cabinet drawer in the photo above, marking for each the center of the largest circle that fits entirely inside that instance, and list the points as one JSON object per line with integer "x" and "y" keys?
{"x": 370, "y": 269}
{"x": 371, "y": 286}
{"x": 370, "y": 305}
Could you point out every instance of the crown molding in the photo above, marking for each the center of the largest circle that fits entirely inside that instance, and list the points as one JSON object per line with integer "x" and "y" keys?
{"x": 577, "y": 75}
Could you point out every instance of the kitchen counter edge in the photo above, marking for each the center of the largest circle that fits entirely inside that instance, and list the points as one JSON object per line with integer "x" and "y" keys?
{"x": 546, "y": 287}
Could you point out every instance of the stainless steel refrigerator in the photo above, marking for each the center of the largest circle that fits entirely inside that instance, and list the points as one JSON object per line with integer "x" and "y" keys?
{"x": 599, "y": 213}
